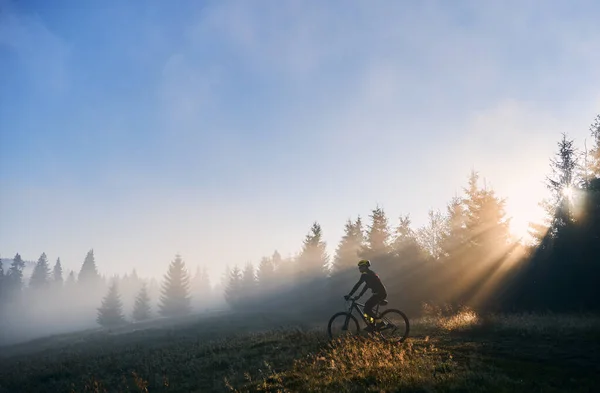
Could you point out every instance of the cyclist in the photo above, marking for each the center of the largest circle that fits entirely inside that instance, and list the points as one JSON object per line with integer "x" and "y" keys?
{"x": 372, "y": 281}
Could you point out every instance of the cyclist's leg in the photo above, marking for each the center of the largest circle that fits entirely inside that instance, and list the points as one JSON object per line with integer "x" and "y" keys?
{"x": 377, "y": 320}
{"x": 369, "y": 304}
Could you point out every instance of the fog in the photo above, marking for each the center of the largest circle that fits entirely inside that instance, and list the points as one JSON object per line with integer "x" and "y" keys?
{"x": 71, "y": 304}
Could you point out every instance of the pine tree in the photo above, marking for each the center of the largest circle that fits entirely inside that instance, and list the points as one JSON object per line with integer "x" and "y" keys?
{"x": 249, "y": 283}
{"x": 593, "y": 162}
{"x": 233, "y": 289}
{"x": 110, "y": 313}
{"x": 486, "y": 227}
{"x": 201, "y": 284}
{"x": 454, "y": 237}
{"x": 141, "y": 308}
{"x": 71, "y": 282}
{"x": 41, "y": 273}
{"x": 276, "y": 260}
{"x": 430, "y": 236}
{"x": 175, "y": 299}
{"x": 265, "y": 275}
{"x": 313, "y": 258}
{"x": 89, "y": 273}
{"x": 405, "y": 246}
{"x": 347, "y": 253}
{"x": 58, "y": 273}
{"x": 14, "y": 278}
{"x": 378, "y": 236}
{"x": 2, "y": 284}
{"x": 562, "y": 182}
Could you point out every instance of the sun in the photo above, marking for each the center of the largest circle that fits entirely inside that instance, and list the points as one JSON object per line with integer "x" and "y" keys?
{"x": 568, "y": 192}
{"x": 522, "y": 207}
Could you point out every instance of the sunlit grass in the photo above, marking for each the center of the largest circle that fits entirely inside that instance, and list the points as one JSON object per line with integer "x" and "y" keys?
{"x": 360, "y": 365}
{"x": 450, "y": 349}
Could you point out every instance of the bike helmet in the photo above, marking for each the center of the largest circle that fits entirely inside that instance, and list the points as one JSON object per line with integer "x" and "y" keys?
{"x": 364, "y": 262}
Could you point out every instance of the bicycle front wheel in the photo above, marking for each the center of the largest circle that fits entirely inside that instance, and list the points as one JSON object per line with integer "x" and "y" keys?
{"x": 396, "y": 326}
{"x": 342, "y": 324}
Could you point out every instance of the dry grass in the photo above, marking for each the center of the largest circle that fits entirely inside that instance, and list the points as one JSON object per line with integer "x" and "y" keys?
{"x": 448, "y": 351}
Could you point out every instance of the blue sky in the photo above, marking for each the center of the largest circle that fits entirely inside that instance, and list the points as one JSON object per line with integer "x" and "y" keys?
{"x": 221, "y": 130}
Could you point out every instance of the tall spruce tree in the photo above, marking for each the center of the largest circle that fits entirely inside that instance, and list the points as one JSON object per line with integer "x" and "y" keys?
{"x": 593, "y": 161}
{"x": 175, "y": 299}
{"x": 14, "y": 278}
{"x": 562, "y": 183}
{"x": 348, "y": 250}
{"x": 454, "y": 237}
{"x": 110, "y": 313}
{"x": 41, "y": 273}
{"x": 405, "y": 246}
{"x": 57, "y": 273}
{"x": 276, "y": 259}
{"x": 71, "y": 281}
{"x": 249, "y": 283}
{"x": 265, "y": 275}
{"x": 201, "y": 284}
{"x": 431, "y": 234}
{"x": 141, "y": 307}
{"x": 89, "y": 272}
{"x": 2, "y": 285}
{"x": 486, "y": 227}
{"x": 314, "y": 260}
{"x": 233, "y": 289}
{"x": 378, "y": 236}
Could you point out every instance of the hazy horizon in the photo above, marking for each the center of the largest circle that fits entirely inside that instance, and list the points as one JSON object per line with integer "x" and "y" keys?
{"x": 221, "y": 131}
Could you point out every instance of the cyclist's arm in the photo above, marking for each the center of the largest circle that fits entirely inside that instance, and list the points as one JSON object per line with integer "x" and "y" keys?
{"x": 362, "y": 292}
{"x": 357, "y": 285}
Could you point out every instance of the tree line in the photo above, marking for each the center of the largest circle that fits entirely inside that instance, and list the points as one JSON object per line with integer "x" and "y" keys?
{"x": 463, "y": 255}
{"x": 46, "y": 297}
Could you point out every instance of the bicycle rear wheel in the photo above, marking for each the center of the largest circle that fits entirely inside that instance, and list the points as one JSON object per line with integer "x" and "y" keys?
{"x": 342, "y": 324}
{"x": 396, "y": 326}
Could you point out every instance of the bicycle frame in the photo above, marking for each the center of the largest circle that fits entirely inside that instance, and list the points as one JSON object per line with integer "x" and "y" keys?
{"x": 360, "y": 307}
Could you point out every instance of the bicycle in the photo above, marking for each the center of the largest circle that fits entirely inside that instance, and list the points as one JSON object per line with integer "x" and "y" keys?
{"x": 393, "y": 320}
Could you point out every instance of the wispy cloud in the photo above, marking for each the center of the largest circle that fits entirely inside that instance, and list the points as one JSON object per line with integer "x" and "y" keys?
{"x": 246, "y": 121}
{"x": 41, "y": 52}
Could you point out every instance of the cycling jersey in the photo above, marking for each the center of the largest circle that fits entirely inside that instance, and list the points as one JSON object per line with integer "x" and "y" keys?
{"x": 372, "y": 281}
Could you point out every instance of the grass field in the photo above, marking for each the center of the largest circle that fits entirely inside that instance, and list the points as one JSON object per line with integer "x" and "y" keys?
{"x": 460, "y": 352}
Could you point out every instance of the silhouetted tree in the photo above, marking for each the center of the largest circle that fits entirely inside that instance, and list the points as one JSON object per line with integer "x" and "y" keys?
{"x": 233, "y": 289}
{"x": 41, "y": 273}
{"x": 487, "y": 229}
{"x": 175, "y": 299}
{"x": 248, "y": 284}
{"x": 276, "y": 260}
{"x": 57, "y": 273}
{"x": 2, "y": 284}
{"x": 14, "y": 278}
{"x": 141, "y": 308}
{"x": 562, "y": 183}
{"x": 265, "y": 275}
{"x": 110, "y": 313}
{"x": 89, "y": 273}
{"x": 286, "y": 272}
{"x": 313, "y": 260}
{"x": 378, "y": 236}
{"x": 430, "y": 236}
{"x": 593, "y": 162}
{"x": 201, "y": 284}
{"x": 71, "y": 282}
{"x": 454, "y": 237}
{"x": 347, "y": 253}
